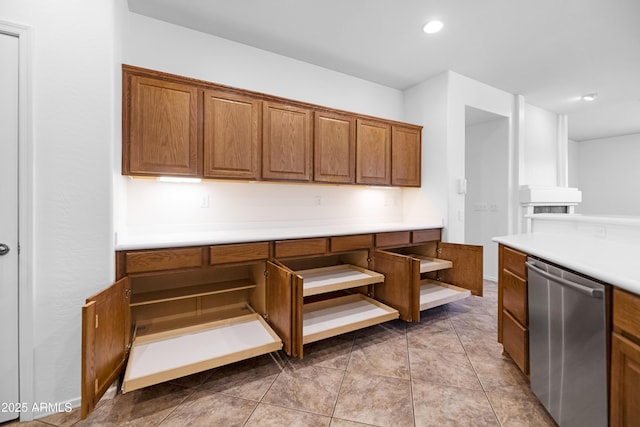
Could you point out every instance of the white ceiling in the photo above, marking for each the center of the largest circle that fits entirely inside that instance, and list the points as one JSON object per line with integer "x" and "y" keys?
{"x": 549, "y": 51}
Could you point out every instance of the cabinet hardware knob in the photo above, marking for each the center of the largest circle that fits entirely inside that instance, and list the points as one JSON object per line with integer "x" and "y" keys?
{"x": 4, "y": 249}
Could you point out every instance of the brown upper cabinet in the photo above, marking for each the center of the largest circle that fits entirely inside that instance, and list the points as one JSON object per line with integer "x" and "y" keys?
{"x": 160, "y": 132}
{"x": 286, "y": 142}
{"x": 373, "y": 155}
{"x": 334, "y": 148}
{"x": 405, "y": 156}
{"x": 231, "y": 135}
{"x": 177, "y": 126}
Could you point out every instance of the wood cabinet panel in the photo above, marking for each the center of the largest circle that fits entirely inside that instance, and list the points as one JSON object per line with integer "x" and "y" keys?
{"x": 467, "y": 262}
{"x": 514, "y": 261}
{"x": 231, "y": 135}
{"x": 348, "y": 243}
{"x": 286, "y": 142}
{"x": 300, "y": 247}
{"x": 401, "y": 285}
{"x": 334, "y": 145}
{"x": 160, "y": 127}
{"x": 406, "y": 156}
{"x": 239, "y": 252}
{"x": 516, "y": 341}
{"x": 421, "y": 236}
{"x": 625, "y": 381}
{"x": 280, "y": 295}
{"x": 394, "y": 238}
{"x": 373, "y": 152}
{"x": 162, "y": 259}
{"x": 514, "y": 297}
{"x": 626, "y": 312}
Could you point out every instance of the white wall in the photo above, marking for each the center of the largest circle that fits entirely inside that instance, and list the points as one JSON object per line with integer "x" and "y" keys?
{"x": 194, "y": 54}
{"x": 71, "y": 89}
{"x": 540, "y": 147}
{"x": 486, "y": 159}
{"x": 573, "y": 165}
{"x": 608, "y": 174}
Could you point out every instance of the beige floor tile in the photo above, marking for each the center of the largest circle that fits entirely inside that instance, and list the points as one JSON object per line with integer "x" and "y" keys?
{"x": 332, "y": 352}
{"x": 61, "y": 419}
{"x": 500, "y": 374}
{"x": 372, "y": 399}
{"x": 144, "y": 407}
{"x": 453, "y": 369}
{"x": 440, "y": 405}
{"x": 204, "y": 409}
{"x": 248, "y": 379}
{"x": 483, "y": 343}
{"x": 337, "y": 422}
{"x": 380, "y": 350}
{"x": 312, "y": 389}
{"x": 434, "y": 335}
{"x": 474, "y": 319}
{"x": 519, "y": 411}
{"x": 273, "y": 416}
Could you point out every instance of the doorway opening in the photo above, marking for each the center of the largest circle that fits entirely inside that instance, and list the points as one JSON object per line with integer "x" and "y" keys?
{"x": 487, "y": 175}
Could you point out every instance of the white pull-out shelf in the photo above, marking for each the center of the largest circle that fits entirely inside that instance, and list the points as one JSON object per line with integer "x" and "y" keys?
{"x": 337, "y": 277}
{"x": 428, "y": 264}
{"x": 164, "y": 356}
{"x": 434, "y": 293}
{"x": 328, "y": 318}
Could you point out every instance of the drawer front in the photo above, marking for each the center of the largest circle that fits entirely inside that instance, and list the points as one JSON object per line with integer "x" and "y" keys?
{"x": 397, "y": 238}
{"x": 241, "y": 252}
{"x": 301, "y": 247}
{"x": 348, "y": 243}
{"x": 515, "y": 340}
{"x": 626, "y": 312}
{"x": 514, "y": 261}
{"x": 422, "y": 236}
{"x": 514, "y": 296}
{"x": 163, "y": 259}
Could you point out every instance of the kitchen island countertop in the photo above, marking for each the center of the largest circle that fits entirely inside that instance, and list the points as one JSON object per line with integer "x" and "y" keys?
{"x": 611, "y": 261}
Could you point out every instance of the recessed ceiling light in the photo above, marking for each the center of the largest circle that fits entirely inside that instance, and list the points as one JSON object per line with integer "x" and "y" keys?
{"x": 433, "y": 27}
{"x": 589, "y": 97}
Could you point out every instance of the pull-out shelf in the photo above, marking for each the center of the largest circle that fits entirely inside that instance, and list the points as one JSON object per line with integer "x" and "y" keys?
{"x": 164, "y": 356}
{"x": 428, "y": 264}
{"x": 337, "y": 277}
{"x": 434, "y": 293}
{"x": 328, "y": 318}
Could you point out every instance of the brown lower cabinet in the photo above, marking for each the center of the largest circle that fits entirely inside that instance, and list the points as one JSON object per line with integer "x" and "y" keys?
{"x": 177, "y": 311}
{"x": 421, "y": 272}
{"x": 625, "y": 359}
{"x": 513, "y": 317}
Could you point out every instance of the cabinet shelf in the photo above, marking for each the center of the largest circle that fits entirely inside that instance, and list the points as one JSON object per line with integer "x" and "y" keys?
{"x": 428, "y": 264}
{"x": 434, "y": 293}
{"x": 173, "y": 294}
{"x": 337, "y": 277}
{"x": 172, "y": 354}
{"x": 328, "y": 318}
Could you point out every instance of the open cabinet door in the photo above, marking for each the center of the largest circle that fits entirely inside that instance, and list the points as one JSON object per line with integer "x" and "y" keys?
{"x": 400, "y": 283}
{"x": 279, "y": 308}
{"x": 467, "y": 266}
{"x": 106, "y": 329}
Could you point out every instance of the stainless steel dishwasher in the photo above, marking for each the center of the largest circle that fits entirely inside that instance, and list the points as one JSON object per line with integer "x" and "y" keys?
{"x": 568, "y": 341}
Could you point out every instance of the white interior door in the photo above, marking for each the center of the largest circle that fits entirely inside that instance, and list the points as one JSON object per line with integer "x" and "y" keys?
{"x": 9, "y": 394}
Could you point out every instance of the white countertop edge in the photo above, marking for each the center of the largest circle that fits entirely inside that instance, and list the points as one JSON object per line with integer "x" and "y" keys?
{"x": 597, "y": 219}
{"x": 219, "y": 237}
{"x": 612, "y": 264}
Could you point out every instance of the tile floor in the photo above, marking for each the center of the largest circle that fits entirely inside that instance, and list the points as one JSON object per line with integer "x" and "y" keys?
{"x": 446, "y": 370}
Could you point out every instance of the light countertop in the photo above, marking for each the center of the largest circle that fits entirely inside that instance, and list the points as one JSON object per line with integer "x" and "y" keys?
{"x": 161, "y": 239}
{"x": 611, "y": 261}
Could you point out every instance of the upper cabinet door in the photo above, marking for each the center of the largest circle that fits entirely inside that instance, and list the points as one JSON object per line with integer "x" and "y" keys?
{"x": 160, "y": 127}
{"x": 373, "y": 152}
{"x": 231, "y": 135}
{"x": 406, "y": 156}
{"x": 334, "y": 154}
{"x": 286, "y": 142}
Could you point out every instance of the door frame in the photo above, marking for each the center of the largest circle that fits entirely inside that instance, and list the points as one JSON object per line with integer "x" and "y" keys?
{"x": 25, "y": 216}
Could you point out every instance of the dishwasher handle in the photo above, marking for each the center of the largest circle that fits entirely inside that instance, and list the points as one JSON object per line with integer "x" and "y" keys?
{"x": 595, "y": 293}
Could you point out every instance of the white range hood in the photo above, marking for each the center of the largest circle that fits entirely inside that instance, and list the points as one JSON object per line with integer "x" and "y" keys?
{"x": 548, "y": 200}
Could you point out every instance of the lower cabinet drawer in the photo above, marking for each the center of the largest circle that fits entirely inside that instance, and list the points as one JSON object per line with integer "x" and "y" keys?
{"x": 514, "y": 296}
{"x": 396, "y": 238}
{"x": 422, "y": 236}
{"x": 514, "y": 261}
{"x": 515, "y": 340}
{"x": 162, "y": 259}
{"x": 241, "y": 252}
{"x": 300, "y": 247}
{"x": 348, "y": 243}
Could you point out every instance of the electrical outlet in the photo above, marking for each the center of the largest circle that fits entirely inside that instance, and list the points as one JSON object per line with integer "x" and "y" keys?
{"x": 318, "y": 200}
{"x": 204, "y": 201}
